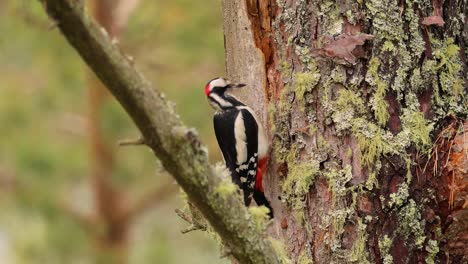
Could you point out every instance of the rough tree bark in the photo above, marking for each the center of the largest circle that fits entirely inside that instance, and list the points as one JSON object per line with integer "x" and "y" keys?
{"x": 177, "y": 147}
{"x": 366, "y": 107}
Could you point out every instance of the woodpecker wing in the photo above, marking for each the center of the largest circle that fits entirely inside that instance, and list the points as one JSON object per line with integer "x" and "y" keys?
{"x": 237, "y": 134}
{"x": 248, "y": 166}
{"x": 224, "y": 131}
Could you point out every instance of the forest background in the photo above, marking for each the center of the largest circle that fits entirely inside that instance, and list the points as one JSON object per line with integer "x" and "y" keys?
{"x": 46, "y": 159}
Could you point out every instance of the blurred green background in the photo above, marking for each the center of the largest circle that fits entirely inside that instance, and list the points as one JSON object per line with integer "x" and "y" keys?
{"x": 45, "y": 156}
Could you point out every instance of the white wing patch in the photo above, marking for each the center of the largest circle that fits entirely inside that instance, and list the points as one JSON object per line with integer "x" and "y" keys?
{"x": 262, "y": 138}
{"x": 241, "y": 145}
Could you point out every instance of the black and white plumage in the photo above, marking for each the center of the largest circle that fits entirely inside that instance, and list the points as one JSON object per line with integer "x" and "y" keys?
{"x": 241, "y": 138}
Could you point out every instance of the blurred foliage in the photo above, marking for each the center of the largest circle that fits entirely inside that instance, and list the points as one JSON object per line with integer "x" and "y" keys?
{"x": 43, "y": 141}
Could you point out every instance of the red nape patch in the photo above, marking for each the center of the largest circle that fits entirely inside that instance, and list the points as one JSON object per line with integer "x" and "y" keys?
{"x": 207, "y": 89}
{"x": 260, "y": 171}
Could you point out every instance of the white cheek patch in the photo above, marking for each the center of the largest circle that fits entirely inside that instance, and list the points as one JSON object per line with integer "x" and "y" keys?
{"x": 220, "y": 101}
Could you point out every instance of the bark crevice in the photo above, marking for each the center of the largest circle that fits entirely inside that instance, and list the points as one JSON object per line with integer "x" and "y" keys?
{"x": 261, "y": 14}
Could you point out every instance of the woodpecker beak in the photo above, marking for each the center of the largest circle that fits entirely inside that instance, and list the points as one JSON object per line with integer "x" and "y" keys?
{"x": 236, "y": 85}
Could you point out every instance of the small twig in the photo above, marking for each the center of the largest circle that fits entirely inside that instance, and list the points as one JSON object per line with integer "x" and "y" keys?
{"x": 184, "y": 216}
{"x": 132, "y": 142}
{"x": 452, "y": 191}
{"x": 449, "y": 152}
{"x": 429, "y": 158}
{"x": 190, "y": 229}
{"x": 194, "y": 225}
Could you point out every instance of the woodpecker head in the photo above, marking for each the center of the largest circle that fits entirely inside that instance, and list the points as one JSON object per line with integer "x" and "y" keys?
{"x": 214, "y": 91}
{"x": 219, "y": 86}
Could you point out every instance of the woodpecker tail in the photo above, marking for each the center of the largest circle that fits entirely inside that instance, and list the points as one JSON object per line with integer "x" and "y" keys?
{"x": 260, "y": 199}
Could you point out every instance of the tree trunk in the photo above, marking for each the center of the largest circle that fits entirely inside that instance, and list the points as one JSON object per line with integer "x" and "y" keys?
{"x": 366, "y": 107}
{"x": 111, "y": 203}
{"x": 112, "y": 243}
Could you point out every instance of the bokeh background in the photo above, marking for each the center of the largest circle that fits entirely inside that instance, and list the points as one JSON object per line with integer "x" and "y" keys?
{"x": 50, "y": 162}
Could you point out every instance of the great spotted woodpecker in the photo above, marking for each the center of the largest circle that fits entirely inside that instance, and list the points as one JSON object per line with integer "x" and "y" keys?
{"x": 242, "y": 140}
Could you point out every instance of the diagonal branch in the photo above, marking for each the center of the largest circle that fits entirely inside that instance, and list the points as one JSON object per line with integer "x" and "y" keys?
{"x": 178, "y": 148}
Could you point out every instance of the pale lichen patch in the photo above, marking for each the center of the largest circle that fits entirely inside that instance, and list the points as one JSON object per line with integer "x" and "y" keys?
{"x": 379, "y": 105}
{"x": 432, "y": 249}
{"x": 385, "y": 245}
{"x": 348, "y": 106}
{"x": 400, "y": 196}
{"x": 301, "y": 176}
{"x": 418, "y": 128}
{"x": 225, "y": 188}
{"x": 260, "y": 216}
{"x": 305, "y": 82}
{"x": 278, "y": 246}
{"x": 412, "y": 223}
{"x": 358, "y": 253}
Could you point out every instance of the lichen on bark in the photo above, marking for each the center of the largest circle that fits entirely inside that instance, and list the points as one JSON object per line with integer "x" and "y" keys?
{"x": 350, "y": 137}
